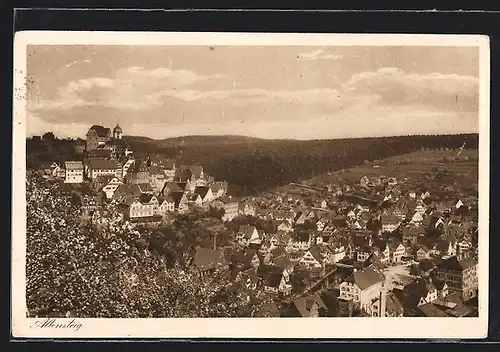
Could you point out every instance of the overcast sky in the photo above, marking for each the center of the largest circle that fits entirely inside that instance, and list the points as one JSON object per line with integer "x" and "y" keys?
{"x": 268, "y": 92}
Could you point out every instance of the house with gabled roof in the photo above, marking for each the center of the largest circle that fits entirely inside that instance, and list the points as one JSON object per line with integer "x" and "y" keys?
{"x": 284, "y": 263}
{"x": 459, "y": 204}
{"x": 248, "y": 278}
{"x": 397, "y": 250}
{"x": 218, "y": 188}
{"x": 313, "y": 258}
{"x": 111, "y": 186}
{"x": 281, "y": 239}
{"x": 400, "y": 212}
{"x": 275, "y": 281}
{"x": 165, "y": 204}
{"x": 329, "y": 231}
{"x": 207, "y": 260}
{"x": 411, "y": 234}
{"x": 247, "y": 208}
{"x": 205, "y": 194}
{"x": 363, "y": 287}
{"x": 181, "y": 202}
{"x": 359, "y": 224}
{"x": 230, "y": 206}
{"x": 362, "y": 253}
{"x": 300, "y": 218}
{"x": 248, "y": 234}
{"x": 335, "y": 252}
{"x": 417, "y": 293}
{"x": 445, "y": 246}
{"x": 245, "y": 259}
{"x": 100, "y": 167}
{"x": 416, "y": 219}
{"x": 310, "y": 307}
{"x": 421, "y": 208}
{"x": 384, "y": 250}
{"x": 423, "y": 252}
{"x": 285, "y": 226}
{"x": 125, "y": 191}
{"x": 302, "y": 241}
{"x": 389, "y": 223}
{"x": 195, "y": 199}
{"x": 137, "y": 207}
{"x": 145, "y": 188}
{"x": 265, "y": 248}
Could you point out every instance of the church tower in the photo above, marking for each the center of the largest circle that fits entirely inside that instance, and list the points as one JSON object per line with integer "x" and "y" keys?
{"x": 117, "y": 132}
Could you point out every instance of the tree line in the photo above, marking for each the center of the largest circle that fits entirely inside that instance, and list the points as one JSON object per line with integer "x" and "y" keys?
{"x": 250, "y": 168}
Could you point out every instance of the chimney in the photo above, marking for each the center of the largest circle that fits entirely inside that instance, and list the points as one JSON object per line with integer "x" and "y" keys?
{"x": 382, "y": 301}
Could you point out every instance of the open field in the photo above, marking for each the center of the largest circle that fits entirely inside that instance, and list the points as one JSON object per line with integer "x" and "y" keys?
{"x": 412, "y": 166}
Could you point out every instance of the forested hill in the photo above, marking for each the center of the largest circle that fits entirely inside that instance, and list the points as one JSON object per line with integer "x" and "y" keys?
{"x": 192, "y": 141}
{"x": 251, "y": 165}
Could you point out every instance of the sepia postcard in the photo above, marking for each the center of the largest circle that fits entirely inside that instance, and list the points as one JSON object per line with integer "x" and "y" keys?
{"x": 230, "y": 185}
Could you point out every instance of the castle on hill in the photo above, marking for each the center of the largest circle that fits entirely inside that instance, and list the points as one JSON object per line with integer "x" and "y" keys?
{"x": 101, "y": 141}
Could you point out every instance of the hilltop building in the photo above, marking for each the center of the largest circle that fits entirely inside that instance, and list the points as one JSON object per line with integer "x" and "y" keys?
{"x": 101, "y": 138}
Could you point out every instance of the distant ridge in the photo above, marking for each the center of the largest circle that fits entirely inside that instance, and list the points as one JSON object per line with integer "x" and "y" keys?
{"x": 195, "y": 140}
{"x": 200, "y": 140}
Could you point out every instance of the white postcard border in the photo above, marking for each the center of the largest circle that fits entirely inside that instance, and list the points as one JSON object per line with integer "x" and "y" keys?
{"x": 266, "y": 328}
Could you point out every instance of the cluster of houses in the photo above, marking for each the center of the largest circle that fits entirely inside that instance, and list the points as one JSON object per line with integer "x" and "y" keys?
{"x": 356, "y": 248}
{"x": 353, "y": 240}
{"x": 143, "y": 190}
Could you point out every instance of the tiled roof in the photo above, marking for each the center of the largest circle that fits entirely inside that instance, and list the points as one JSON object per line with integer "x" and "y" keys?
{"x": 454, "y": 263}
{"x": 104, "y": 179}
{"x": 367, "y": 277}
{"x": 100, "y": 153}
{"x": 101, "y": 131}
{"x": 177, "y": 197}
{"x": 304, "y": 304}
{"x": 202, "y": 191}
{"x": 389, "y": 219}
{"x": 206, "y": 258}
{"x": 215, "y": 187}
{"x": 182, "y": 185}
{"x": 278, "y": 252}
{"x": 145, "y": 187}
{"x": 100, "y": 164}
{"x": 73, "y": 165}
{"x": 128, "y": 190}
{"x": 316, "y": 253}
{"x": 247, "y": 230}
{"x": 129, "y": 200}
{"x": 282, "y": 262}
{"x": 273, "y": 279}
{"x": 194, "y": 197}
{"x": 431, "y": 310}
{"x": 145, "y": 198}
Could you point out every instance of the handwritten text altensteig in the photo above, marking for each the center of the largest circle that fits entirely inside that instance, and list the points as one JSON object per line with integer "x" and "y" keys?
{"x": 53, "y": 323}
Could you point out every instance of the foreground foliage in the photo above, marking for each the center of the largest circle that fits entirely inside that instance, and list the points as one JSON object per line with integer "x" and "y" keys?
{"x": 83, "y": 271}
